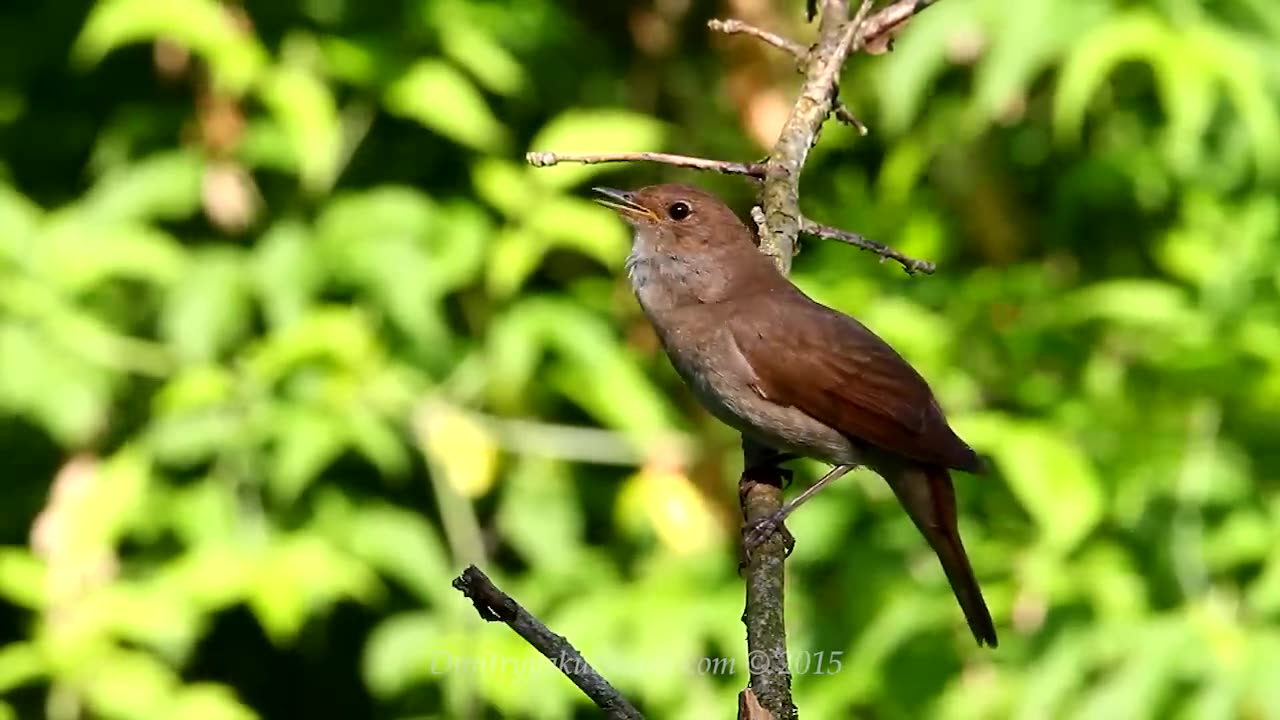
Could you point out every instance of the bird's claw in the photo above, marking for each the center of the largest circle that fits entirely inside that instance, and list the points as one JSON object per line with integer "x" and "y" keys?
{"x": 757, "y": 532}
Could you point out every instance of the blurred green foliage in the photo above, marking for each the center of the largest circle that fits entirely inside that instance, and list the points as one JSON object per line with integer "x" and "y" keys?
{"x": 289, "y": 333}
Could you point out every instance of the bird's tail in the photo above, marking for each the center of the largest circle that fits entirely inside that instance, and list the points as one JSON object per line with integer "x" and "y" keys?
{"x": 929, "y": 498}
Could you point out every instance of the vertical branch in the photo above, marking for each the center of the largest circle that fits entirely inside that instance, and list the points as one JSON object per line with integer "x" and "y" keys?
{"x": 760, "y": 488}
{"x": 781, "y": 195}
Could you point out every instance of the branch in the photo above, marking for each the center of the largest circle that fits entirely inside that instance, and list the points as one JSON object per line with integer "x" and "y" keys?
{"x": 781, "y": 196}
{"x": 780, "y": 201}
{"x": 792, "y": 48}
{"x": 910, "y": 264}
{"x": 547, "y": 159}
{"x": 879, "y": 29}
{"x": 496, "y": 606}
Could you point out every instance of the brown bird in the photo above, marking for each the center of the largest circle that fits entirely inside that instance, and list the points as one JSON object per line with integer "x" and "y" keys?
{"x": 792, "y": 374}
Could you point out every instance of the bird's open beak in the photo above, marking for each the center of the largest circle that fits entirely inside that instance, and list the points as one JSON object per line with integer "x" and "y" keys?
{"x": 622, "y": 202}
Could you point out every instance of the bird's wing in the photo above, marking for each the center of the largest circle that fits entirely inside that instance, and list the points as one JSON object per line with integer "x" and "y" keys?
{"x": 836, "y": 370}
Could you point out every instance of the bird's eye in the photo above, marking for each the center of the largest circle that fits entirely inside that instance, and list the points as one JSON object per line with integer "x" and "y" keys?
{"x": 679, "y": 210}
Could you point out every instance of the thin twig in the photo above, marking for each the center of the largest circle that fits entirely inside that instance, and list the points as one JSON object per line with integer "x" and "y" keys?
{"x": 792, "y": 48}
{"x": 910, "y": 264}
{"x": 547, "y": 159}
{"x": 879, "y": 29}
{"x": 738, "y": 27}
{"x": 496, "y": 606}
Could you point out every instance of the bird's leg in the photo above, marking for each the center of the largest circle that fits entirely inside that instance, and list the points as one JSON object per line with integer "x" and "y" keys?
{"x": 770, "y": 459}
{"x": 758, "y": 531}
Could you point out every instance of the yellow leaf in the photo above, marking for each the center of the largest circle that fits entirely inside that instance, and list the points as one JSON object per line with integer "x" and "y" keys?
{"x": 462, "y": 448}
{"x": 680, "y": 515}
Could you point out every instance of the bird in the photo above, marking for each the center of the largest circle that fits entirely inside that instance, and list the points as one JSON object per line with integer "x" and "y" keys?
{"x": 792, "y": 374}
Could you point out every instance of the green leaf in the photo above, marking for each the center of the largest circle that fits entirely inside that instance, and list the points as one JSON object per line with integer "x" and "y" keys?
{"x": 127, "y": 683}
{"x": 1136, "y": 35}
{"x": 505, "y": 186}
{"x": 584, "y": 226}
{"x": 206, "y": 701}
{"x": 235, "y": 57}
{"x": 285, "y": 272}
{"x": 299, "y": 575}
{"x": 593, "y": 369}
{"x": 550, "y": 539}
{"x": 208, "y": 312}
{"x": 215, "y": 574}
{"x": 23, "y": 578}
{"x": 458, "y": 252}
{"x": 1053, "y": 479}
{"x": 515, "y": 257}
{"x": 402, "y": 650}
{"x": 79, "y": 252}
{"x": 307, "y": 441}
{"x": 20, "y": 664}
{"x": 1026, "y": 38}
{"x": 488, "y": 61}
{"x": 305, "y": 108}
{"x": 402, "y": 545}
{"x": 444, "y": 100}
{"x": 918, "y": 58}
{"x": 340, "y": 336}
{"x": 164, "y": 186}
{"x": 59, "y": 391}
{"x": 374, "y": 437}
{"x": 19, "y": 221}
{"x": 1138, "y": 302}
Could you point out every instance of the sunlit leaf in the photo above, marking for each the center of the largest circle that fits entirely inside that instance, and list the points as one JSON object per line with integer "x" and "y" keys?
{"x": 482, "y": 56}
{"x": 308, "y": 440}
{"x": 550, "y": 538}
{"x": 206, "y": 701}
{"x": 299, "y": 576}
{"x": 23, "y": 578}
{"x": 131, "y": 684}
{"x": 205, "y": 26}
{"x": 402, "y": 650}
{"x": 460, "y": 447}
{"x": 403, "y": 546}
{"x": 284, "y": 272}
{"x": 444, "y": 100}
{"x": 1054, "y": 480}
{"x": 20, "y": 663}
{"x": 583, "y": 226}
{"x": 165, "y": 186}
{"x": 208, "y": 311}
{"x": 306, "y": 110}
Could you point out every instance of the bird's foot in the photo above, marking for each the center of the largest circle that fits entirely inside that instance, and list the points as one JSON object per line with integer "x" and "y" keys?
{"x": 757, "y": 532}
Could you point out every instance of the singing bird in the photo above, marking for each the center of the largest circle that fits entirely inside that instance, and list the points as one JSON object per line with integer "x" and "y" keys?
{"x": 790, "y": 373}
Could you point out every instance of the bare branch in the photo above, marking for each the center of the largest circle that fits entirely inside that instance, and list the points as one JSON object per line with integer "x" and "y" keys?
{"x": 910, "y": 264}
{"x": 496, "y": 606}
{"x": 738, "y": 27}
{"x": 792, "y": 48}
{"x": 547, "y": 159}
{"x": 880, "y": 29}
{"x": 780, "y": 198}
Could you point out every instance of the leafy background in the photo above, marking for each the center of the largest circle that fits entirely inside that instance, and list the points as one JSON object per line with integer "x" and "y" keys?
{"x": 289, "y": 334}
